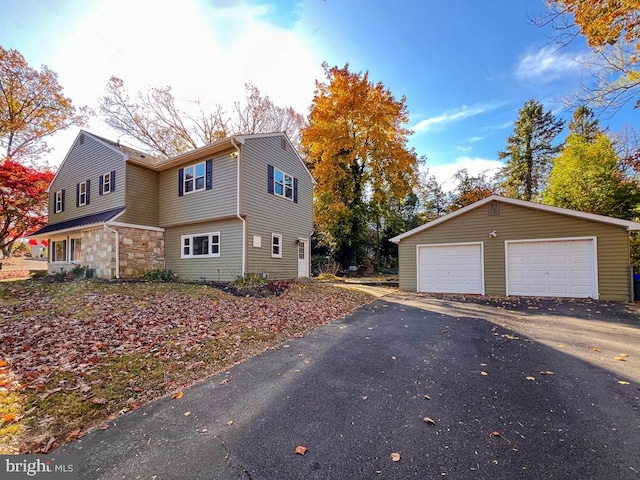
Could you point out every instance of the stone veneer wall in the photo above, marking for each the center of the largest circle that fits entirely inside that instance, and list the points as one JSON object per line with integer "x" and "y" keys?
{"x": 140, "y": 250}
{"x": 98, "y": 252}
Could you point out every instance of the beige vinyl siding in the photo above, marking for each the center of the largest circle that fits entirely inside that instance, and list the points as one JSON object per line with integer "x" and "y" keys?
{"x": 225, "y": 268}
{"x": 267, "y": 214}
{"x": 142, "y": 198}
{"x": 520, "y": 223}
{"x": 218, "y": 202}
{"x": 87, "y": 160}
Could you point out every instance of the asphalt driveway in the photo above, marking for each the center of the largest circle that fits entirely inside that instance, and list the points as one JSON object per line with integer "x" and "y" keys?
{"x": 508, "y": 391}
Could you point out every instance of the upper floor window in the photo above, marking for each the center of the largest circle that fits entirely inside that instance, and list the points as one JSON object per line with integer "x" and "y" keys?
{"x": 58, "y": 201}
{"x": 107, "y": 182}
{"x": 82, "y": 193}
{"x": 195, "y": 178}
{"x": 283, "y": 184}
{"x": 201, "y": 245}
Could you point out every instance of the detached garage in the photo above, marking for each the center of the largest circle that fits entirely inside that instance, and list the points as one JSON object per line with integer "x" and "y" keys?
{"x": 503, "y": 246}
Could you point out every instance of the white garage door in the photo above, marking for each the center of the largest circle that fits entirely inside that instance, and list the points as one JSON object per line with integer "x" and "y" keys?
{"x": 552, "y": 268}
{"x": 450, "y": 268}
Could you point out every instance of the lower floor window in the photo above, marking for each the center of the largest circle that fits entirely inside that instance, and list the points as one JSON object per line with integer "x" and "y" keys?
{"x": 58, "y": 250}
{"x": 276, "y": 245}
{"x": 201, "y": 245}
{"x": 76, "y": 250}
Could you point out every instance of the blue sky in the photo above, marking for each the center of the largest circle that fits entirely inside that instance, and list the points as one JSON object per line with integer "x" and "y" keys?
{"x": 464, "y": 66}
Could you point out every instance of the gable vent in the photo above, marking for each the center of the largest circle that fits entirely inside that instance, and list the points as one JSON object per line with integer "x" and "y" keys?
{"x": 82, "y": 139}
{"x": 283, "y": 143}
{"x": 494, "y": 209}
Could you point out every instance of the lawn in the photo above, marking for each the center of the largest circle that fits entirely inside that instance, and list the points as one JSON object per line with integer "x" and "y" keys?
{"x": 73, "y": 355}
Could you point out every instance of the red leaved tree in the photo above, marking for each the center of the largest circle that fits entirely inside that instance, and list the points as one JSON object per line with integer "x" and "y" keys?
{"x": 23, "y": 202}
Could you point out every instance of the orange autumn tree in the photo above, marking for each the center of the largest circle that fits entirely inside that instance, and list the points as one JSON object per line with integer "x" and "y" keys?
{"x": 356, "y": 146}
{"x": 32, "y": 108}
{"x": 612, "y": 30}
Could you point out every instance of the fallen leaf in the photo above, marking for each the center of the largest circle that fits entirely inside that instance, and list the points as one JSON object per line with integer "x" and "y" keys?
{"x": 99, "y": 400}
{"x": 186, "y": 414}
{"x": 596, "y": 349}
{"x": 622, "y": 382}
{"x": 395, "y": 457}
{"x": 620, "y": 359}
{"x": 495, "y": 433}
{"x": 546, "y": 372}
{"x": 9, "y": 417}
{"x": 393, "y": 358}
{"x": 428, "y": 420}
{"x": 229, "y": 423}
{"x": 365, "y": 397}
{"x": 104, "y": 426}
{"x": 484, "y": 374}
{"x": 224, "y": 382}
{"x": 427, "y": 397}
{"x": 531, "y": 379}
{"x": 623, "y": 355}
{"x": 301, "y": 449}
{"x": 177, "y": 395}
{"x": 445, "y": 331}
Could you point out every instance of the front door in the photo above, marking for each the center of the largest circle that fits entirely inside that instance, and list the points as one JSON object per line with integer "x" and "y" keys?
{"x": 303, "y": 258}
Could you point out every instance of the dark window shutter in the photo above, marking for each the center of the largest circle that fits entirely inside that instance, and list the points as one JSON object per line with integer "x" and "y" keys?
{"x": 209, "y": 174}
{"x": 101, "y": 185}
{"x": 88, "y": 190}
{"x": 113, "y": 180}
{"x": 77, "y": 194}
{"x": 295, "y": 190}
{"x": 62, "y": 210}
{"x": 181, "y": 182}
{"x": 270, "y": 177}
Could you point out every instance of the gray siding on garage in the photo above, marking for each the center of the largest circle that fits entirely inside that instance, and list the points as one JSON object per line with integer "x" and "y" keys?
{"x": 141, "y": 197}
{"x": 87, "y": 159}
{"x": 218, "y": 202}
{"x": 225, "y": 268}
{"x": 521, "y": 223}
{"x": 267, "y": 213}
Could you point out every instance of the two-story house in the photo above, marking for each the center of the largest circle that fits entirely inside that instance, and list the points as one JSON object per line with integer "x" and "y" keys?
{"x": 243, "y": 204}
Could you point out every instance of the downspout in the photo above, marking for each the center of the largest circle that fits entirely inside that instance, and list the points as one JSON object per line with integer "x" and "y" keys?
{"x": 106, "y": 227}
{"x": 244, "y": 223}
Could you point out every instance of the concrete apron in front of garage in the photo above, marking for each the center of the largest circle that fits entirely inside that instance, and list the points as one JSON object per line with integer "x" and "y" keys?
{"x": 509, "y": 394}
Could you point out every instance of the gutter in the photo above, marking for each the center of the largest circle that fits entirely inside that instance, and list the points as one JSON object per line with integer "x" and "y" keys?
{"x": 106, "y": 227}
{"x": 244, "y": 222}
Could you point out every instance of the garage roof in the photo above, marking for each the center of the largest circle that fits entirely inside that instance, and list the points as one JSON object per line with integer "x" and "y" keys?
{"x": 626, "y": 224}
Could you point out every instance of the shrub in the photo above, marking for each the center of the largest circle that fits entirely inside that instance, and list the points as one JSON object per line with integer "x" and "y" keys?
{"x": 250, "y": 280}
{"x": 278, "y": 287}
{"x": 160, "y": 275}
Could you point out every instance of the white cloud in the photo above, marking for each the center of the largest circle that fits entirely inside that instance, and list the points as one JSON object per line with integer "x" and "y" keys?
{"x": 204, "y": 52}
{"x": 451, "y": 116}
{"x": 444, "y": 173}
{"x": 548, "y": 64}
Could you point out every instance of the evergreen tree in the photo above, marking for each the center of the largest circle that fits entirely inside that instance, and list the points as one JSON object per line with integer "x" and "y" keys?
{"x": 529, "y": 151}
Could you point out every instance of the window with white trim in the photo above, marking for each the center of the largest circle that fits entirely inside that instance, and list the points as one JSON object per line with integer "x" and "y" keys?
{"x": 82, "y": 194}
{"x": 194, "y": 178}
{"x": 106, "y": 183}
{"x": 201, "y": 245}
{"x": 58, "y": 201}
{"x": 76, "y": 250}
{"x": 58, "y": 249}
{"x": 276, "y": 245}
{"x": 283, "y": 184}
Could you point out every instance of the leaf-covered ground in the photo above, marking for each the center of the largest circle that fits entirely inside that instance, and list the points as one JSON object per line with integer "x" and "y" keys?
{"x": 75, "y": 354}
